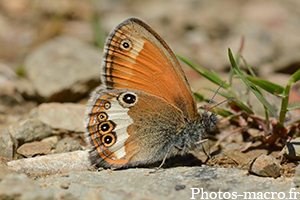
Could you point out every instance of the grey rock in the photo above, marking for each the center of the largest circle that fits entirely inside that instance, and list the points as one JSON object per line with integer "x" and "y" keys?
{"x": 67, "y": 146}
{"x": 19, "y": 186}
{"x": 297, "y": 176}
{"x": 29, "y": 130}
{"x": 68, "y": 116}
{"x": 53, "y": 163}
{"x": 266, "y": 166}
{"x": 139, "y": 184}
{"x": 34, "y": 148}
{"x": 292, "y": 149}
{"x": 6, "y": 144}
{"x": 170, "y": 183}
{"x": 63, "y": 69}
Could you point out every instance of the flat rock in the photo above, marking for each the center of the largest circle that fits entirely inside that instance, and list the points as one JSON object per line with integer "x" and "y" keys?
{"x": 67, "y": 173}
{"x": 53, "y": 163}
{"x": 19, "y": 186}
{"x": 29, "y": 130}
{"x": 266, "y": 166}
{"x": 34, "y": 148}
{"x": 164, "y": 184}
{"x": 68, "y": 116}
{"x": 63, "y": 69}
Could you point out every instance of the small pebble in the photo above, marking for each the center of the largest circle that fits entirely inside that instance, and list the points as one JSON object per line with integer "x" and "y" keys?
{"x": 64, "y": 185}
{"x": 34, "y": 148}
{"x": 266, "y": 166}
{"x": 179, "y": 187}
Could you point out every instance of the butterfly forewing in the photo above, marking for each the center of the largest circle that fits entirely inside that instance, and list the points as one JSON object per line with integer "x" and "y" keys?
{"x": 137, "y": 58}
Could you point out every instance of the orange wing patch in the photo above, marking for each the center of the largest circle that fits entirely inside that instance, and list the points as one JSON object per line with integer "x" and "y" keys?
{"x": 139, "y": 59}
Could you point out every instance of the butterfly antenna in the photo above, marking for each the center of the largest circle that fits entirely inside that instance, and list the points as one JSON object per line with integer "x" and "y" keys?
{"x": 231, "y": 98}
{"x": 206, "y": 110}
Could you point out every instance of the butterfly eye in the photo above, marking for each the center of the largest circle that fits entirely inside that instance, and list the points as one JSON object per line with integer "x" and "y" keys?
{"x": 126, "y": 45}
{"x": 106, "y": 127}
{"x": 102, "y": 117}
{"x": 127, "y": 99}
{"x": 108, "y": 140}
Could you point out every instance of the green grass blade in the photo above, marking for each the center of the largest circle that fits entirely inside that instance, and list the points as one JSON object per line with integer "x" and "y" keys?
{"x": 293, "y": 106}
{"x": 199, "y": 97}
{"x": 296, "y": 76}
{"x": 213, "y": 77}
{"x": 267, "y": 86}
{"x": 248, "y": 67}
{"x": 251, "y": 86}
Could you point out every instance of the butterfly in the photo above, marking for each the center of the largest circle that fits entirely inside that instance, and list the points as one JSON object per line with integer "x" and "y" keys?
{"x": 144, "y": 111}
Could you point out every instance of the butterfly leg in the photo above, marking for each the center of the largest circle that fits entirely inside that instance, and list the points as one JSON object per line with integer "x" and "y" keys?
{"x": 207, "y": 154}
{"x": 165, "y": 158}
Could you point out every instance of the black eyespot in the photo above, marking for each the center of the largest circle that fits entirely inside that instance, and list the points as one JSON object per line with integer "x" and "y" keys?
{"x": 125, "y": 45}
{"x": 129, "y": 98}
{"x": 106, "y": 127}
{"x": 109, "y": 139}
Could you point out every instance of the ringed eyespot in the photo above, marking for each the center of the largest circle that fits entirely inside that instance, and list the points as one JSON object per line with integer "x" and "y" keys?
{"x": 127, "y": 99}
{"x": 106, "y": 127}
{"x": 107, "y": 105}
{"x": 126, "y": 45}
{"x": 102, "y": 116}
{"x": 108, "y": 139}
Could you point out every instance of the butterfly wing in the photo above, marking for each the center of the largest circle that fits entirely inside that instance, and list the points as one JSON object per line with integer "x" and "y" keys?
{"x": 145, "y": 104}
{"x": 129, "y": 128}
{"x": 137, "y": 58}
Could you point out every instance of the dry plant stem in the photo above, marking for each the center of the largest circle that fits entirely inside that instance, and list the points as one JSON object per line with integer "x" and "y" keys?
{"x": 283, "y": 149}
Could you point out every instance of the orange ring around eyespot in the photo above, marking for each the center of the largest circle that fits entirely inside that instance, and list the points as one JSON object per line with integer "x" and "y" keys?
{"x": 105, "y": 127}
{"x": 102, "y": 116}
{"x": 112, "y": 142}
